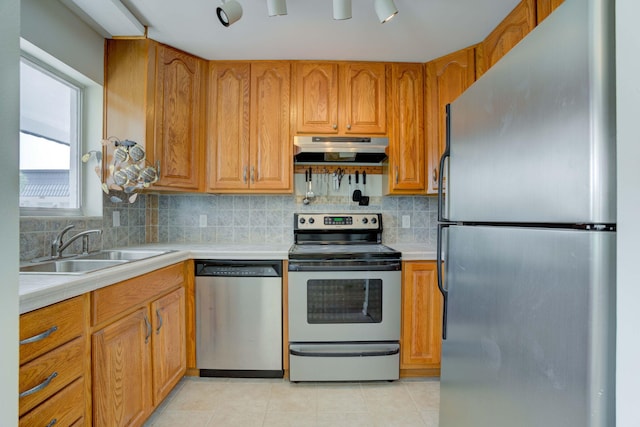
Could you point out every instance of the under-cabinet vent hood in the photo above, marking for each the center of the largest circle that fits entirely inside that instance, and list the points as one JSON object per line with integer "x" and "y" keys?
{"x": 354, "y": 149}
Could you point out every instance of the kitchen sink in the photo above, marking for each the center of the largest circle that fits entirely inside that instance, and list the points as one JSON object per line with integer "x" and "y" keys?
{"x": 82, "y": 264}
{"x": 70, "y": 266}
{"x": 123, "y": 254}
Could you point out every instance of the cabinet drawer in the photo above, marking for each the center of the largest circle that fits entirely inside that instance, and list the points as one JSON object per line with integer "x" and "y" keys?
{"x": 49, "y": 373}
{"x": 116, "y": 299}
{"x": 47, "y": 328}
{"x": 65, "y": 407}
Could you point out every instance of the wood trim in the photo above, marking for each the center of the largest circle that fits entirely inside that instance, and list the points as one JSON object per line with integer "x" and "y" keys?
{"x": 190, "y": 314}
{"x": 419, "y": 373}
{"x": 320, "y": 169}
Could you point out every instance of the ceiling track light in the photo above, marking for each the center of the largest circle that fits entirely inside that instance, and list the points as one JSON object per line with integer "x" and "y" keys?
{"x": 385, "y": 9}
{"x": 277, "y": 7}
{"x": 229, "y": 12}
{"x": 341, "y": 9}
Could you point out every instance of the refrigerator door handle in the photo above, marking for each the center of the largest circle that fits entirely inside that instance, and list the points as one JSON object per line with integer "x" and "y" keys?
{"x": 443, "y": 158}
{"x": 441, "y": 287}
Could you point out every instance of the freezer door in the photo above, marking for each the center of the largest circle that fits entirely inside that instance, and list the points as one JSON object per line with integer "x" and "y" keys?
{"x": 531, "y": 326}
{"x": 533, "y": 140}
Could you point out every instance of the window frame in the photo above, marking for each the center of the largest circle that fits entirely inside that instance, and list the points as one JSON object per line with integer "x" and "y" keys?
{"x": 76, "y": 178}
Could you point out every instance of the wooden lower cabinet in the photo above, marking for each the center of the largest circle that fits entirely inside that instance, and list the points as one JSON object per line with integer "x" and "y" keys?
{"x": 139, "y": 354}
{"x": 421, "y": 336}
{"x": 54, "y": 374}
{"x": 122, "y": 371}
{"x": 168, "y": 343}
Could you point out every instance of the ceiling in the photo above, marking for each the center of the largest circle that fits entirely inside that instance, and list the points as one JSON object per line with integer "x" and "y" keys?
{"x": 421, "y": 31}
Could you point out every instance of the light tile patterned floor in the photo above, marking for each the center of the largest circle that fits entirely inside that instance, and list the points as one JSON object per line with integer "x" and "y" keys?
{"x": 212, "y": 402}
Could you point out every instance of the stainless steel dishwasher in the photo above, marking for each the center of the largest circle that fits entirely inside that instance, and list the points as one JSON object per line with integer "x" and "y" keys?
{"x": 239, "y": 318}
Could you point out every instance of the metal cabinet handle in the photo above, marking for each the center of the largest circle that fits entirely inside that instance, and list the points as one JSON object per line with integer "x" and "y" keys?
{"x": 159, "y": 321}
{"x": 149, "y": 329}
{"x": 435, "y": 174}
{"x": 253, "y": 174}
{"x": 39, "y": 337}
{"x": 349, "y": 126}
{"x": 335, "y": 126}
{"x": 40, "y": 386}
{"x": 52, "y": 422}
{"x": 397, "y": 175}
{"x": 244, "y": 174}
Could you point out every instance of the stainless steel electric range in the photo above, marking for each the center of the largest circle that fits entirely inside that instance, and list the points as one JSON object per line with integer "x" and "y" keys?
{"x": 344, "y": 299}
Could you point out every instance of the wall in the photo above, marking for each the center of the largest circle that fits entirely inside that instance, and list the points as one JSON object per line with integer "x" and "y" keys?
{"x": 37, "y": 233}
{"x": 56, "y": 30}
{"x": 9, "y": 125}
{"x": 269, "y": 219}
{"x": 628, "y": 289}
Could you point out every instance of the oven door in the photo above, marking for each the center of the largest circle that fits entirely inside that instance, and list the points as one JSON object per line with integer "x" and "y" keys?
{"x": 344, "y": 306}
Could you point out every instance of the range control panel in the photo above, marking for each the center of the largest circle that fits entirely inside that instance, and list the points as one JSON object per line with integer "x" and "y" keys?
{"x": 351, "y": 221}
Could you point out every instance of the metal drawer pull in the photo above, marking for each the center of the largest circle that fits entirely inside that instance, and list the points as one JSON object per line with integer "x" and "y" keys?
{"x": 40, "y": 386}
{"x": 52, "y": 422}
{"x": 149, "y": 330}
{"x": 159, "y": 321}
{"x": 39, "y": 337}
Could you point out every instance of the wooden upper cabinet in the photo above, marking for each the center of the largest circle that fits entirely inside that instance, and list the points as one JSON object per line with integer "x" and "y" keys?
{"x": 406, "y": 166}
{"x": 340, "y": 98}
{"x": 447, "y": 78}
{"x": 179, "y": 108}
{"x": 154, "y": 96}
{"x": 545, "y": 7}
{"x": 228, "y": 126}
{"x": 316, "y": 86}
{"x": 506, "y": 35}
{"x": 248, "y": 142}
{"x": 270, "y": 146}
{"x": 421, "y": 336}
{"x": 364, "y": 98}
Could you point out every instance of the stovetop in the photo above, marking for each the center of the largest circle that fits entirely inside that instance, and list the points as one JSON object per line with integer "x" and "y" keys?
{"x": 330, "y": 236}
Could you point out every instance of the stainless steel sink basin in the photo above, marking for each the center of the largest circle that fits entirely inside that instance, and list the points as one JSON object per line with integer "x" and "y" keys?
{"x": 69, "y": 266}
{"x": 124, "y": 254}
{"x": 83, "y": 264}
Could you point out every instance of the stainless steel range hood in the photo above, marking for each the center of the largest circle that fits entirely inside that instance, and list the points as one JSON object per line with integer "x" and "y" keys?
{"x": 353, "y": 149}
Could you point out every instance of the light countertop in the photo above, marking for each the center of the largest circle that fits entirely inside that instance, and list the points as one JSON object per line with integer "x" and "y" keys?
{"x": 40, "y": 290}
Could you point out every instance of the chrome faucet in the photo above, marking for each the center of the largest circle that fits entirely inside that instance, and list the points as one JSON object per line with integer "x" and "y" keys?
{"x": 58, "y": 245}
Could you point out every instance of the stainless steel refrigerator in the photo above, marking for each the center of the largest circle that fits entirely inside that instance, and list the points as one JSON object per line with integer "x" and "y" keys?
{"x": 528, "y": 221}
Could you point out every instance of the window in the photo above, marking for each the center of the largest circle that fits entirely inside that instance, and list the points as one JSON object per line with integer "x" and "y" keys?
{"x": 50, "y": 149}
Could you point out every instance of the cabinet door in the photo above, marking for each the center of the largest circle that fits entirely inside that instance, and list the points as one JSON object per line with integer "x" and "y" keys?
{"x": 178, "y": 141}
{"x": 169, "y": 343}
{"x": 506, "y": 35}
{"x": 407, "y": 144}
{"x": 316, "y": 93}
{"x": 271, "y": 149}
{"x": 421, "y": 316}
{"x": 363, "y": 103}
{"x": 122, "y": 371}
{"x": 447, "y": 78}
{"x": 545, "y": 7}
{"x": 228, "y": 126}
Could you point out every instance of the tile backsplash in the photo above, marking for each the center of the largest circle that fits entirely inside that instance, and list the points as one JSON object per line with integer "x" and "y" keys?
{"x": 204, "y": 218}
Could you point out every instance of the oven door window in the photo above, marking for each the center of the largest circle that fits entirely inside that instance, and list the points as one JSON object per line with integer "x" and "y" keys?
{"x": 344, "y": 301}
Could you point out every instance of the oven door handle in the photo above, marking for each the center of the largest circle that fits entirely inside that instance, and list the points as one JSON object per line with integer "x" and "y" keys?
{"x": 345, "y": 266}
{"x": 299, "y": 351}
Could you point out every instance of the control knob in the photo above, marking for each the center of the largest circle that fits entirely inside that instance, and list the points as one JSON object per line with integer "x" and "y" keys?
{"x": 311, "y": 220}
{"x": 374, "y": 220}
{"x": 365, "y": 220}
{"x": 302, "y": 221}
